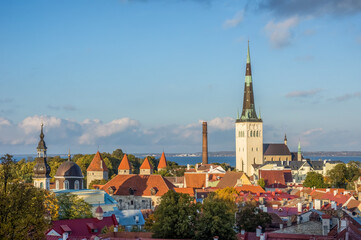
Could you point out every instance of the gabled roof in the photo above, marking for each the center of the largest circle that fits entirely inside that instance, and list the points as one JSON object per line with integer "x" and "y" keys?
{"x": 272, "y": 149}
{"x": 276, "y": 176}
{"x": 97, "y": 164}
{"x": 195, "y": 180}
{"x": 162, "y": 162}
{"x": 124, "y": 164}
{"x": 229, "y": 179}
{"x": 138, "y": 185}
{"x": 146, "y": 164}
{"x": 81, "y": 228}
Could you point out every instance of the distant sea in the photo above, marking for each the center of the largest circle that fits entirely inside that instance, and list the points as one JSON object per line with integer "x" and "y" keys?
{"x": 231, "y": 160}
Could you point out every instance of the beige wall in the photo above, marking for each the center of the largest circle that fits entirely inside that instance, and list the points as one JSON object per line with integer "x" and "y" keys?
{"x": 95, "y": 175}
{"x": 249, "y": 148}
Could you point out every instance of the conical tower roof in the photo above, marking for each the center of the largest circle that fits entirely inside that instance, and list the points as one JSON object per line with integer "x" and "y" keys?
{"x": 162, "y": 162}
{"x": 146, "y": 164}
{"x": 249, "y": 111}
{"x": 124, "y": 164}
{"x": 97, "y": 164}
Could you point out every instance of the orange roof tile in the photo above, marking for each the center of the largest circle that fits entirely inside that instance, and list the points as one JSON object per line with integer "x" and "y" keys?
{"x": 250, "y": 188}
{"x": 195, "y": 180}
{"x": 189, "y": 191}
{"x": 124, "y": 164}
{"x": 97, "y": 164}
{"x": 146, "y": 164}
{"x": 141, "y": 185}
{"x": 162, "y": 162}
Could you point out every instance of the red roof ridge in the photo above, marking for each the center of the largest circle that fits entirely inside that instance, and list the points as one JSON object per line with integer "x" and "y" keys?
{"x": 124, "y": 164}
{"x": 97, "y": 164}
{"x": 162, "y": 162}
{"x": 146, "y": 164}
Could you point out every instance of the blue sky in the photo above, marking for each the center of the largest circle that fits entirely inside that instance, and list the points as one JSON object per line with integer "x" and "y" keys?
{"x": 142, "y": 75}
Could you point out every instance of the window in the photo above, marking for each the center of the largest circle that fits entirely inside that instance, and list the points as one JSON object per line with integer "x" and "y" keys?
{"x": 76, "y": 185}
{"x": 41, "y": 185}
{"x": 57, "y": 184}
{"x": 66, "y": 184}
{"x": 251, "y": 133}
{"x": 257, "y": 134}
{"x": 131, "y": 202}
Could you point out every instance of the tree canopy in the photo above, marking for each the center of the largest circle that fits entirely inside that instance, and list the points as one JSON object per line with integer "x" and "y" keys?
{"x": 314, "y": 179}
{"x": 249, "y": 217}
{"x": 344, "y": 175}
{"x": 24, "y": 210}
{"x": 72, "y": 207}
{"x": 175, "y": 216}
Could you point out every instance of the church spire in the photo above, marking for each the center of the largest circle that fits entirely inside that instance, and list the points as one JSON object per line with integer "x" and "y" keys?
{"x": 41, "y": 145}
{"x": 249, "y": 110}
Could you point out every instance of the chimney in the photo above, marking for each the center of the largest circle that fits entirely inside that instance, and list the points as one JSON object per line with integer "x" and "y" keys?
{"x": 205, "y": 144}
{"x": 299, "y": 207}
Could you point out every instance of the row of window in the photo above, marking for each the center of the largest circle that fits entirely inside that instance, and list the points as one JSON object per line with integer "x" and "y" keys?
{"x": 249, "y": 134}
{"x": 239, "y": 149}
{"x": 66, "y": 184}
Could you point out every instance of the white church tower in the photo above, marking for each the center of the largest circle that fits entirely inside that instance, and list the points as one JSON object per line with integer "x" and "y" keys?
{"x": 249, "y": 129}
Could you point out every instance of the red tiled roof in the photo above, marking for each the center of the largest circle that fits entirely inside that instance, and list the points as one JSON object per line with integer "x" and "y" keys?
{"x": 250, "y": 188}
{"x": 146, "y": 164}
{"x": 195, "y": 180}
{"x": 124, "y": 164}
{"x": 141, "y": 185}
{"x": 276, "y": 176}
{"x": 97, "y": 164}
{"x": 80, "y": 229}
{"x": 162, "y": 162}
{"x": 188, "y": 190}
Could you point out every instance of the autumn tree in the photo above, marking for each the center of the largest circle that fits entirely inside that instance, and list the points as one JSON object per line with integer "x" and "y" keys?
{"x": 249, "y": 217}
{"x": 72, "y": 207}
{"x": 175, "y": 216}
{"x": 23, "y": 214}
{"x": 216, "y": 218}
{"x": 261, "y": 183}
{"x": 314, "y": 179}
{"x": 344, "y": 175}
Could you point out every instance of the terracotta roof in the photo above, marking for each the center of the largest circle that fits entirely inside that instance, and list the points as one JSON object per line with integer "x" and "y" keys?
{"x": 146, "y": 164}
{"x": 175, "y": 179}
{"x": 276, "y": 176}
{"x": 162, "y": 162}
{"x": 188, "y": 190}
{"x": 195, "y": 180}
{"x": 139, "y": 185}
{"x": 229, "y": 179}
{"x": 352, "y": 204}
{"x": 275, "y": 149}
{"x": 97, "y": 164}
{"x": 250, "y": 188}
{"x": 124, "y": 164}
{"x": 82, "y": 228}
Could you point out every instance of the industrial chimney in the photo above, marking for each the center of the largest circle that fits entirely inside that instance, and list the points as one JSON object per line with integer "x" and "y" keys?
{"x": 205, "y": 145}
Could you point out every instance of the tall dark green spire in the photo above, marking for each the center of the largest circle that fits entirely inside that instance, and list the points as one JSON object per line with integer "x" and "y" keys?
{"x": 249, "y": 110}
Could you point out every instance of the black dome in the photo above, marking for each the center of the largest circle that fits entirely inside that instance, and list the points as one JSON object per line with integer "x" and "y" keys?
{"x": 69, "y": 169}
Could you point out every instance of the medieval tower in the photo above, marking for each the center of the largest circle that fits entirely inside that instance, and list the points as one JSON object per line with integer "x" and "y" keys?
{"x": 249, "y": 129}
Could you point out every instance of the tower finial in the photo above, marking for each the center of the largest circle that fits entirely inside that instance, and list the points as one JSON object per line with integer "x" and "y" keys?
{"x": 238, "y": 113}
{"x": 69, "y": 156}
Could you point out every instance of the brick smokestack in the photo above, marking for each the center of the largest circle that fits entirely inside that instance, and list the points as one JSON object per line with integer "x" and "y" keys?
{"x": 205, "y": 144}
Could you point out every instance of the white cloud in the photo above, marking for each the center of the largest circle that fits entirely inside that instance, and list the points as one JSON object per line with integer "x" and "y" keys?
{"x": 312, "y": 131}
{"x": 235, "y": 21}
{"x": 303, "y": 94}
{"x": 279, "y": 33}
{"x": 225, "y": 123}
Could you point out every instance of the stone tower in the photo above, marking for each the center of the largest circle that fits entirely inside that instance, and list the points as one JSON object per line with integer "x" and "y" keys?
{"x": 97, "y": 169}
{"x": 146, "y": 168}
{"x": 205, "y": 144}
{"x": 249, "y": 129}
{"x": 41, "y": 169}
{"x": 162, "y": 162}
{"x": 124, "y": 166}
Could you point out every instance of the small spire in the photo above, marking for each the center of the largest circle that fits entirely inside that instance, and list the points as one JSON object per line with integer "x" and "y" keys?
{"x": 260, "y": 113}
{"x": 285, "y": 137}
{"x": 69, "y": 156}
{"x": 238, "y": 113}
{"x": 41, "y": 131}
{"x": 248, "y": 55}
{"x": 299, "y": 146}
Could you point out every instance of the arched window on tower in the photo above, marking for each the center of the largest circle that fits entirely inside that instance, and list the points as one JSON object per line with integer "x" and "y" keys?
{"x": 251, "y": 133}
{"x": 66, "y": 184}
{"x": 57, "y": 184}
{"x": 76, "y": 185}
{"x": 254, "y": 133}
{"x": 257, "y": 134}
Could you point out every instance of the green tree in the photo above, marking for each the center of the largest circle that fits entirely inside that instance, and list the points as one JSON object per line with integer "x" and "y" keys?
{"x": 314, "y": 179}
{"x": 175, "y": 216}
{"x": 249, "y": 217}
{"x": 97, "y": 182}
{"x": 216, "y": 219}
{"x": 261, "y": 183}
{"x": 23, "y": 214}
{"x": 343, "y": 176}
{"x": 72, "y": 207}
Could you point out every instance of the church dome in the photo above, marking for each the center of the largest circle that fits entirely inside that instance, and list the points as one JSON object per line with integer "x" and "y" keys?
{"x": 69, "y": 169}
